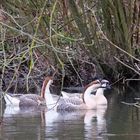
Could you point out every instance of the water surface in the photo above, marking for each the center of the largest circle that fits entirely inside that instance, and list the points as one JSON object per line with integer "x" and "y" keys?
{"x": 118, "y": 121}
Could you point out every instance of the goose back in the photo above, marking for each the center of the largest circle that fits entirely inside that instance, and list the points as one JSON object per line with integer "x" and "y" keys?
{"x": 31, "y": 100}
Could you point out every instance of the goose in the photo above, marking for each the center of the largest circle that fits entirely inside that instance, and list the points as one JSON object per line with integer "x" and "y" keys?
{"x": 31, "y": 99}
{"x": 105, "y": 85}
{"x": 86, "y": 102}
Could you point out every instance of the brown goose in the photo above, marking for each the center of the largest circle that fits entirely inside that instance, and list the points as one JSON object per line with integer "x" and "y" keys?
{"x": 87, "y": 102}
{"x": 98, "y": 96}
{"x": 104, "y": 83}
{"x": 30, "y": 99}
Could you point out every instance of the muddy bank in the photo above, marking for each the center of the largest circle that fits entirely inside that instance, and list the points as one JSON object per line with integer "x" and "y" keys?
{"x": 16, "y": 81}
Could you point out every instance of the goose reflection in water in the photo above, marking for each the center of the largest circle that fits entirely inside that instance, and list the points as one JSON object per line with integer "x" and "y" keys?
{"x": 92, "y": 121}
{"x": 88, "y": 123}
{"x": 95, "y": 125}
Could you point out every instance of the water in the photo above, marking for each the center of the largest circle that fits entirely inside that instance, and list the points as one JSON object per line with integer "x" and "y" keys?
{"x": 118, "y": 121}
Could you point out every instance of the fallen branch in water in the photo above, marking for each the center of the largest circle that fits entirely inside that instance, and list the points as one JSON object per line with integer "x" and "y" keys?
{"x": 137, "y": 98}
{"x": 132, "y": 80}
{"x": 125, "y": 134}
{"x": 129, "y": 103}
{"x": 137, "y": 104}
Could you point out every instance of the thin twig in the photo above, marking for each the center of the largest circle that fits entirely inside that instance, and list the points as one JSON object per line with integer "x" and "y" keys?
{"x": 125, "y": 134}
{"x": 117, "y": 80}
{"x": 132, "y": 79}
{"x": 137, "y": 66}
{"x": 130, "y": 104}
{"x": 127, "y": 66}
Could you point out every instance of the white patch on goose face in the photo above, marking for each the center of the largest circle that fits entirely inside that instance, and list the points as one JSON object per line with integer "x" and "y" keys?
{"x": 105, "y": 84}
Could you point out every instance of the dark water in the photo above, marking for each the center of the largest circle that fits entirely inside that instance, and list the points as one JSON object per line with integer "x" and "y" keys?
{"x": 117, "y": 122}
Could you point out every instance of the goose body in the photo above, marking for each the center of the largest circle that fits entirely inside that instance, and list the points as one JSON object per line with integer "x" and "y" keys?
{"x": 29, "y": 99}
{"x": 87, "y": 102}
{"x": 98, "y": 97}
{"x": 24, "y": 100}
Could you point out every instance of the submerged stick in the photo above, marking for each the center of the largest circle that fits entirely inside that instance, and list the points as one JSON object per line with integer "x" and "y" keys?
{"x": 131, "y": 104}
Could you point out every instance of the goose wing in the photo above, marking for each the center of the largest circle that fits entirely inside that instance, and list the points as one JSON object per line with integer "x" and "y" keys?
{"x": 70, "y": 104}
{"x": 26, "y": 102}
{"x": 31, "y": 100}
{"x": 70, "y": 107}
{"x": 72, "y": 100}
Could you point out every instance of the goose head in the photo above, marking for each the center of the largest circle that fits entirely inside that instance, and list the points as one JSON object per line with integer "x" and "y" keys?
{"x": 105, "y": 84}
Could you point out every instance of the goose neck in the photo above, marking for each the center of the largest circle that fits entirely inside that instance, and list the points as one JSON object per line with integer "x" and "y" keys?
{"x": 45, "y": 86}
{"x": 87, "y": 94}
{"x": 100, "y": 92}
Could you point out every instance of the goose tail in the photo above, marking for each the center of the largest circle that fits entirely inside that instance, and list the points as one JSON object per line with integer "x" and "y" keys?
{"x": 11, "y": 100}
{"x": 64, "y": 94}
